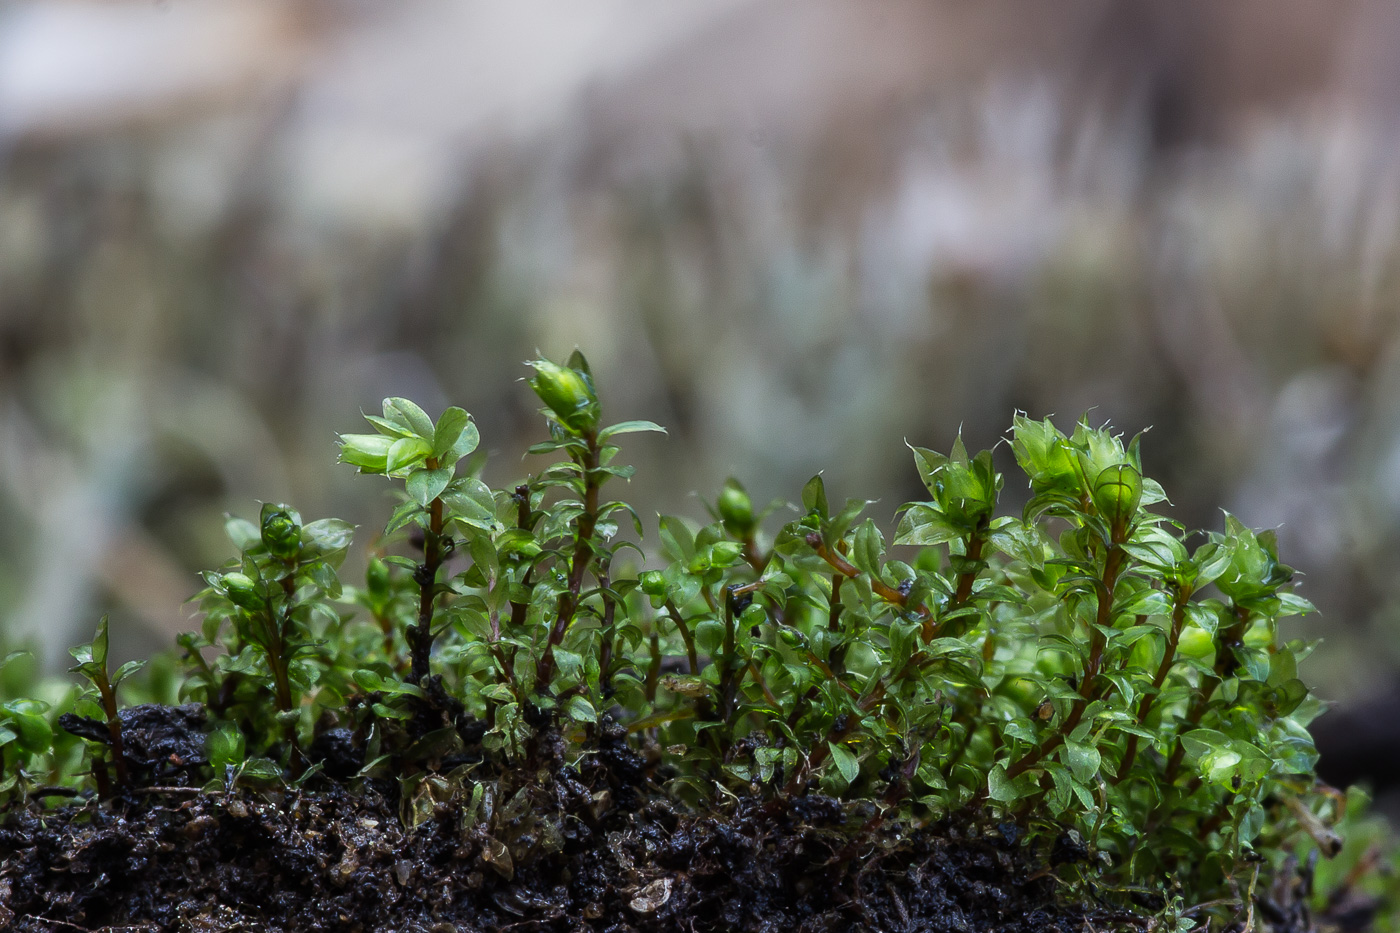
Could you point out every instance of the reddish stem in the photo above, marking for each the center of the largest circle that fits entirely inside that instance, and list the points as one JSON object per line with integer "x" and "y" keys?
{"x": 1089, "y": 690}
{"x": 1183, "y": 596}
{"x": 578, "y": 563}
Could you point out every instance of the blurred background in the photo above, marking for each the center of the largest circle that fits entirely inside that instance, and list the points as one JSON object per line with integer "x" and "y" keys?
{"x": 796, "y": 234}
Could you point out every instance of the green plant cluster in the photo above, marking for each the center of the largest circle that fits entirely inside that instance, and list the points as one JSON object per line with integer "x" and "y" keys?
{"x": 1087, "y": 669}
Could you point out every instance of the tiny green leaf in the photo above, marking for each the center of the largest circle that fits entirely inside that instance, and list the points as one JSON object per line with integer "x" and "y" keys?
{"x": 448, "y": 431}
{"x": 736, "y": 509}
{"x": 567, "y": 393}
{"x": 845, "y": 762}
{"x": 406, "y": 452}
{"x": 327, "y": 535}
{"x": 814, "y": 496}
{"x": 126, "y": 670}
{"x": 369, "y": 452}
{"x": 580, "y": 710}
{"x": 677, "y": 542}
{"x": 1117, "y": 492}
{"x": 1000, "y": 787}
{"x": 471, "y": 502}
{"x": 426, "y": 485}
{"x": 407, "y": 414}
{"x": 629, "y": 427}
{"x": 869, "y": 547}
{"x": 1083, "y": 761}
{"x": 225, "y": 746}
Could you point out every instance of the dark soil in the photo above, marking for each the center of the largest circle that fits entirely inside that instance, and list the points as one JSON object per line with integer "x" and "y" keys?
{"x": 460, "y": 846}
{"x": 330, "y": 860}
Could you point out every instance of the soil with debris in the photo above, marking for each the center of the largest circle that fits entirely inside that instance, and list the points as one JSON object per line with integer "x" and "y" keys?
{"x": 556, "y": 856}
{"x": 590, "y": 846}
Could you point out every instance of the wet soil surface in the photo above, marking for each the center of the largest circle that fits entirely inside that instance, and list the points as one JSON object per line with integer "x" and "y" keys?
{"x": 550, "y": 858}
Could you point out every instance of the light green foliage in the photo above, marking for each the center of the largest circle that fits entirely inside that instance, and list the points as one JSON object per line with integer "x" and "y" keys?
{"x": 272, "y": 613}
{"x": 25, "y": 732}
{"x": 92, "y": 665}
{"x": 1086, "y": 665}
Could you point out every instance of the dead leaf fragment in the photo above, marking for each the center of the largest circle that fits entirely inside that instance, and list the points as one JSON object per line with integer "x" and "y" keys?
{"x": 653, "y": 896}
{"x": 495, "y": 854}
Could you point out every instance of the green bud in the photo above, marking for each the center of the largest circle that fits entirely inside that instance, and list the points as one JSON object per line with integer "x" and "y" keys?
{"x": 792, "y": 637}
{"x": 753, "y": 615}
{"x": 377, "y": 579}
{"x": 1117, "y": 492}
{"x": 281, "y": 531}
{"x": 700, "y": 562}
{"x": 1196, "y": 643}
{"x": 652, "y": 582}
{"x": 1044, "y": 453}
{"x": 709, "y": 636}
{"x": 241, "y": 590}
{"x": 569, "y": 395}
{"x": 736, "y": 509}
{"x": 369, "y": 452}
{"x": 726, "y": 553}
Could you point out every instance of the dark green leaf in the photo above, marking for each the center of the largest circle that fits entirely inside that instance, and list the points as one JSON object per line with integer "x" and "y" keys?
{"x": 126, "y": 670}
{"x": 814, "y": 496}
{"x": 835, "y": 529}
{"x": 869, "y": 548}
{"x": 1083, "y": 761}
{"x": 1000, "y": 787}
{"x": 580, "y": 710}
{"x": 406, "y": 512}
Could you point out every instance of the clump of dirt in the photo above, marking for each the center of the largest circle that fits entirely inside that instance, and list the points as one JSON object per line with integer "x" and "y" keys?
{"x": 560, "y": 853}
{"x": 158, "y": 742}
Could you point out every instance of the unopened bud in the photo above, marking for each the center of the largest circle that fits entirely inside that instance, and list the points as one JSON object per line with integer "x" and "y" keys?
{"x": 792, "y": 637}
{"x": 369, "y": 452}
{"x": 377, "y": 579}
{"x": 281, "y": 531}
{"x": 1117, "y": 492}
{"x": 736, "y": 509}
{"x": 241, "y": 590}
{"x": 652, "y": 582}
{"x": 726, "y": 553}
{"x": 568, "y": 393}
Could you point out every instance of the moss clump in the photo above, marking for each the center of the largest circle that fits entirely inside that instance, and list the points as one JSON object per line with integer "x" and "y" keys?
{"x": 1087, "y": 674}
